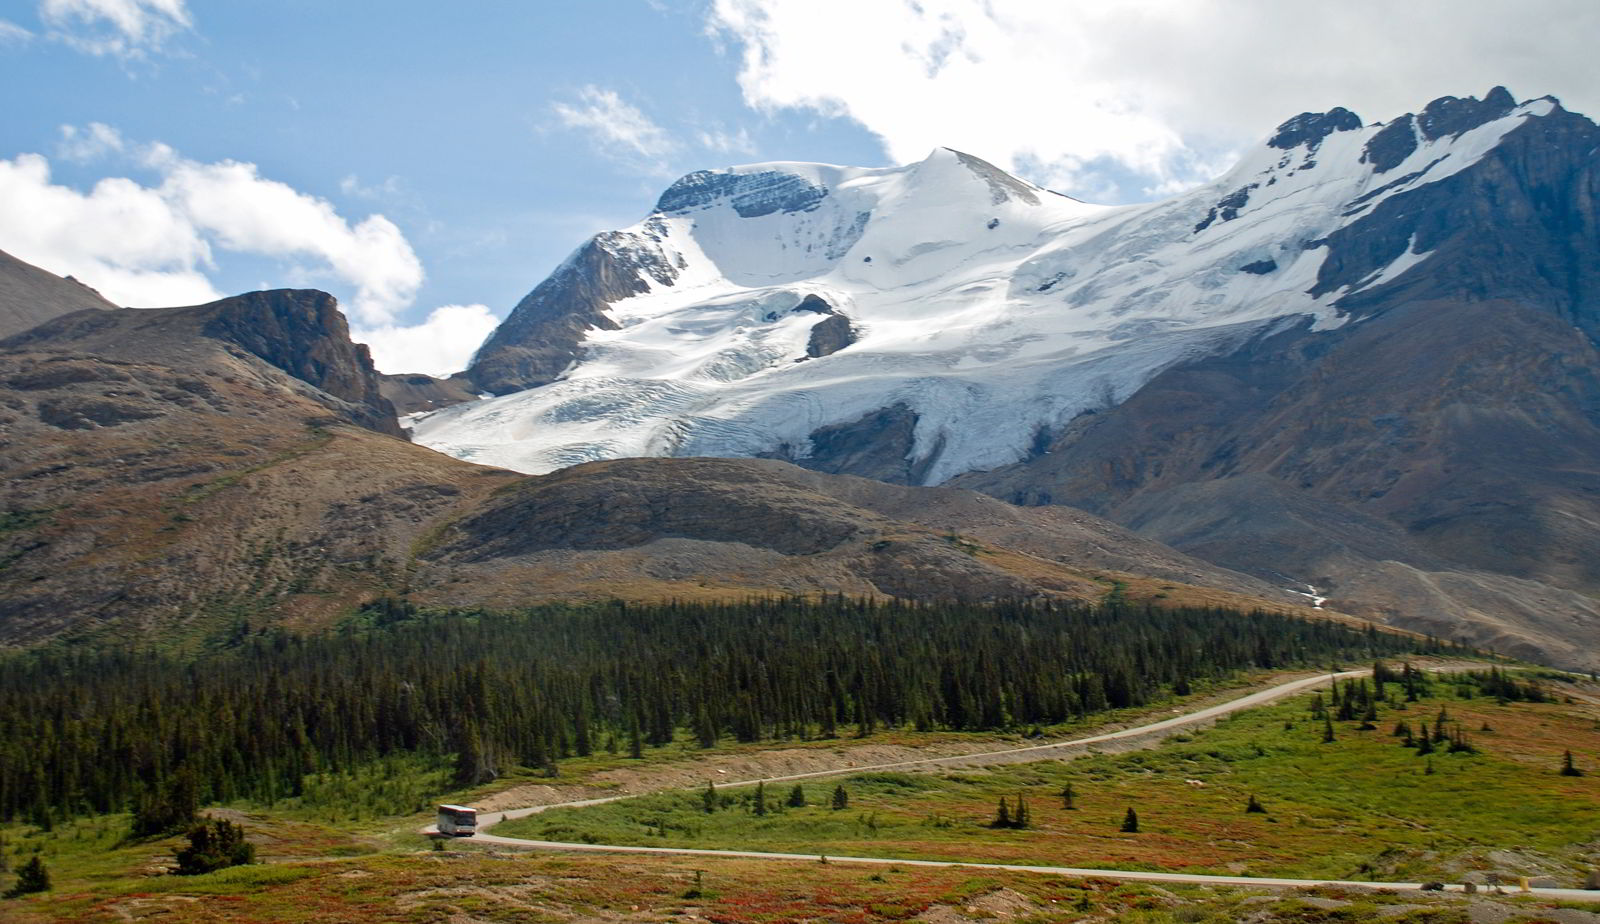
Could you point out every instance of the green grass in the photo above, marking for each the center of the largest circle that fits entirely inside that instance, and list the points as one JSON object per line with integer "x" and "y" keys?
{"x": 1359, "y": 807}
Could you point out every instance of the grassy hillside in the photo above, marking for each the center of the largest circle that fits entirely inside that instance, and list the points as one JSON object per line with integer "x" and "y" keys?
{"x": 1360, "y": 806}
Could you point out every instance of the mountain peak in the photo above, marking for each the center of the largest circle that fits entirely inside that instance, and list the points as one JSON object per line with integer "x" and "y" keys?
{"x": 750, "y": 194}
{"x": 1449, "y": 115}
{"x": 1309, "y": 128}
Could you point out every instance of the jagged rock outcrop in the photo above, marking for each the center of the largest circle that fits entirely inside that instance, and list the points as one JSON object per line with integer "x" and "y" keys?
{"x": 298, "y": 331}
{"x": 540, "y": 337}
{"x": 1309, "y": 128}
{"x": 750, "y": 195}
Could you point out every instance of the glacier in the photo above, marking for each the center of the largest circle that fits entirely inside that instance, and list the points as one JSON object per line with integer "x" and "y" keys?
{"x": 989, "y": 307}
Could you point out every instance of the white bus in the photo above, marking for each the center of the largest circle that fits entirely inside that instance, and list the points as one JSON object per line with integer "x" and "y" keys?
{"x": 458, "y": 820}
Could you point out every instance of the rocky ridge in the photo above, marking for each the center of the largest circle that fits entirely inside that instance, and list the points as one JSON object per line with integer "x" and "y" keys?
{"x": 232, "y": 464}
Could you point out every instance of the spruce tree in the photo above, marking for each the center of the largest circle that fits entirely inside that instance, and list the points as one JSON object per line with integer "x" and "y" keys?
{"x": 841, "y": 799}
{"x": 1327, "y": 729}
{"x": 797, "y": 796}
{"x": 760, "y": 803}
{"x": 472, "y": 764}
{"x": 1130, "y": 822}
{"x": 1567, "y": 766}
{"x": 1254, "y": 806}
{"x": 1002, "y": 815}
{"x": 31, "y": 877}
{"x": 635, "y": 738}
{"x": 705, "y": 732}
{"x": 1020, "y": 819}
{"x": 1067, "y": 796}
{"x": 708, "y": 798}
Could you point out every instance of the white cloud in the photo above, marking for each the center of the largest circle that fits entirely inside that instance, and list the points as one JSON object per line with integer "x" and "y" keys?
{"x": 619, "y": 130}
{"x": 722, "y": 141}
{"x": 13, "y": 34}
{"x": 1137, "y": 97}
{"x": 152, "y": 245}
{"x": 91, "y": 142}
{"x": 122, "y": 238}
{"x": 440, "y": 345}
{"x": 391, "y": 189}
{"x": 122, "y": 28}
{"x": 241, "y": 210}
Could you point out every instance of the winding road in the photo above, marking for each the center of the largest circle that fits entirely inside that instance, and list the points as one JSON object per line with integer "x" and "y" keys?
{"x": 1136, "y": 736}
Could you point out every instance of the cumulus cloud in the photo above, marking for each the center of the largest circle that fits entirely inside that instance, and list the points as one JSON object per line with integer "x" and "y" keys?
{"x": 1136, "y": 98}
{"x": 440, "y": 345}
{"x": 152, "y": 245}
{"x": 243, "y": 211}
{"x": 618, "y": 128}
{"x": 121, "y": 28}
{"x": 122, "y": 238}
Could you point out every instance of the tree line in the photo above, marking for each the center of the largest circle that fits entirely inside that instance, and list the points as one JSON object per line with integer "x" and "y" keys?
{"x": 87, "y": 730}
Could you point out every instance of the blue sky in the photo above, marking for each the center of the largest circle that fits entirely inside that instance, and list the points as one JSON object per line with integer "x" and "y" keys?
{"x": 410, "y": 155}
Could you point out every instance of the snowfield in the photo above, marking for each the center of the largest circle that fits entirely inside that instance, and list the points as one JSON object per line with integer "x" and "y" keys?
{"x": 989, "y": 307}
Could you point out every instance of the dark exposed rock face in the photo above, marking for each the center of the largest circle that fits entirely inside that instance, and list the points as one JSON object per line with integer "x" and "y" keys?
{"x": 1227, "y": 208}
{"x": 877, "y": 445}
{"x": 830, "y": 335}
{"x": 302, "y": 332}
{"x": 30, "y": 296}
{"x": 540, "y": 337}
{"x": 1309, "y": 128}
{"x": 299, "y": 331}
{"x": 750, "y": 194}
{"x": 1522, "y": 224}
{"x": 815, "y": 304}
{"x": 1449, "y": 115}
{"x": 1392, "y": 145}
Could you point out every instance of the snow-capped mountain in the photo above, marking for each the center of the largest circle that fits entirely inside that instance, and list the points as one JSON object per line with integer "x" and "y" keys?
{"x": 760, "y": 309}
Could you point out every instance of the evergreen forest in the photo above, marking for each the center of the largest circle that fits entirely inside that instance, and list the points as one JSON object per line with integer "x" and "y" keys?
{"x": 91, "y": 729}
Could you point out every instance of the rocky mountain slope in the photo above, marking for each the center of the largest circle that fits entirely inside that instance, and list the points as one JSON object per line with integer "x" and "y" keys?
{"x": 1362, "y": 361}
{"x": 29, "y": 296}
{"x": 234, "y": 463}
